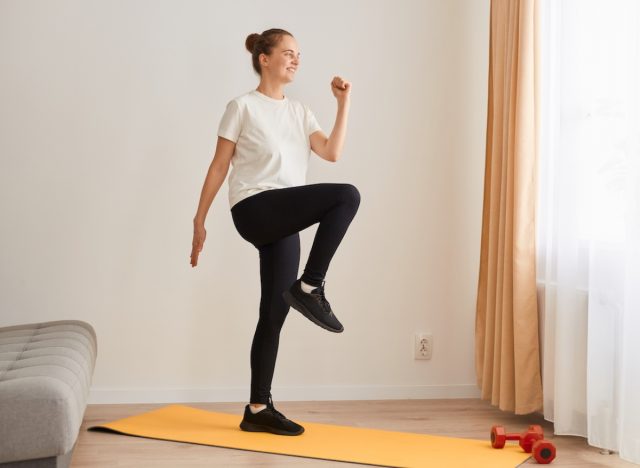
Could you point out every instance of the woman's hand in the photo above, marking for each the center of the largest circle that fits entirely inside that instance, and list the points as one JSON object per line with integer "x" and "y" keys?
{"x": 199, "y": 235}
{"x": 340, "y": 88}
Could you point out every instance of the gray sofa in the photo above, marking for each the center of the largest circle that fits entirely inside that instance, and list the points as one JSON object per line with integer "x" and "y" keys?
{"x": 45, "y": 375}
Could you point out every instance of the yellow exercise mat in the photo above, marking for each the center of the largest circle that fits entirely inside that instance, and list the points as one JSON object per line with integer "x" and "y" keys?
{"x": 326, "y": 441}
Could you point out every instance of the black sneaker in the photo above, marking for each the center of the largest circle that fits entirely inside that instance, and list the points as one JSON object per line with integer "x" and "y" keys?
{"x": 313, "y": 305}
{"x": 269, "y": 420}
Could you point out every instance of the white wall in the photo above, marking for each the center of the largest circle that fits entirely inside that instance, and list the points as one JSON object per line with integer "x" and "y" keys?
{"x": 108, "y": 125}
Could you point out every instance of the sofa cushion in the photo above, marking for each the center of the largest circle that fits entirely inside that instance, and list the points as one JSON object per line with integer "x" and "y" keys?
{"x": 45, "y": 375}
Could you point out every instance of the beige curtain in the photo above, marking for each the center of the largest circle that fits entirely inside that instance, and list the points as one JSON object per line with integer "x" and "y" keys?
{"x": 507, "y": 346}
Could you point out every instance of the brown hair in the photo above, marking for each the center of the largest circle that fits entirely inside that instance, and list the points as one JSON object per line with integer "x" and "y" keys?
{"x": 263, "y": 44}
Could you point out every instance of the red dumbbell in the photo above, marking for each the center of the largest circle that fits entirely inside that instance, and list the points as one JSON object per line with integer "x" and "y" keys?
{"x": 531, "y": 440}
{"x": 543, "y": 451}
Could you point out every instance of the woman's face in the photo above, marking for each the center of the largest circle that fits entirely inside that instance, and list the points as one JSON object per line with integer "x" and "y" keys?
{"x": 283, "y": 62}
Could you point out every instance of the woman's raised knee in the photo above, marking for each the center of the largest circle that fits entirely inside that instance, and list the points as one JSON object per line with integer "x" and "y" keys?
{"x": 350, "y": 194}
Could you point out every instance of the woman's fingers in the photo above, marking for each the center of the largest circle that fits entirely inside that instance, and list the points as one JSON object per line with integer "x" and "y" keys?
{"x": 194, "y": 255}
{"x": 196, "y": 246}
{"x": 340, "y": 83}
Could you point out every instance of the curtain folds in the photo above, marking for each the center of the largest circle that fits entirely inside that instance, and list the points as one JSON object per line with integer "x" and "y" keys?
{"x": 589, "y": 221}
{"x": 507, "y": 338}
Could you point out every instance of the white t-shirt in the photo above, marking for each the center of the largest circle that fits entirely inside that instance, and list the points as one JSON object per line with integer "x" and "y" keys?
{"x": 272, "y": 143}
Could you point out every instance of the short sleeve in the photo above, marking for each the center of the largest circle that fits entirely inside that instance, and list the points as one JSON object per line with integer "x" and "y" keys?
{"x": 231, "y": 122}
{"x": 311, "y": 122}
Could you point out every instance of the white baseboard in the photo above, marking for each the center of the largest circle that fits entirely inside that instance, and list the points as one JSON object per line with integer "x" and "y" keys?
{"x": 314, "y": 393}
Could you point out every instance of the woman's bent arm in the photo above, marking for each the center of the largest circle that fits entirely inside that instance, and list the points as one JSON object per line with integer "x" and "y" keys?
{"x": 335, "y": 141}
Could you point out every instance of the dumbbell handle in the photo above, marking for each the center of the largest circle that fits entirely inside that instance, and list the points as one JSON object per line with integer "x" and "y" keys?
{"x": 513, "y": 436}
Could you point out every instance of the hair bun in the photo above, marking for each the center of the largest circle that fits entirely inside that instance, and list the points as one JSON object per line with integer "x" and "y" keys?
{"x": 251, "y": 40}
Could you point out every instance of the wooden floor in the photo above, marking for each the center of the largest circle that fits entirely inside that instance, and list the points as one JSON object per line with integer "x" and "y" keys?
{"x": 470, "y": 418}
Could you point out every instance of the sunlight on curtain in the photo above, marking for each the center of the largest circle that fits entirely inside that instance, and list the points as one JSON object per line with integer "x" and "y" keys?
{"x": 589, "y": 220}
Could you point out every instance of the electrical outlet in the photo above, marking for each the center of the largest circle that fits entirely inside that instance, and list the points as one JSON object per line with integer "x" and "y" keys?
{"x": 423, "y": 347}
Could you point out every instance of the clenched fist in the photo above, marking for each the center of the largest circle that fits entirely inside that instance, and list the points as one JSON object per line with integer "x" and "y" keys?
{"x": 340, "y": 88}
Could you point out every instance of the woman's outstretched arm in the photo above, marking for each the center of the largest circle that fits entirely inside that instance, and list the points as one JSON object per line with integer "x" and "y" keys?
{"x": 218, "y": 170}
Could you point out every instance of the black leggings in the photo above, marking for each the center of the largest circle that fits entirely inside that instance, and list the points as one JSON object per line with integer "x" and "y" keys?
{"x": 271, "y": 220}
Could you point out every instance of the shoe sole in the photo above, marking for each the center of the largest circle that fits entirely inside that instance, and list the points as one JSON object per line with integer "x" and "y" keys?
{"x": 293, "y": 302}
{"x": 250, "y": 427}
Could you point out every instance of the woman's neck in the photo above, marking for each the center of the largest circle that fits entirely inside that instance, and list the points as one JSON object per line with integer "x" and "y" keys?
{"x": 273, "y": 91}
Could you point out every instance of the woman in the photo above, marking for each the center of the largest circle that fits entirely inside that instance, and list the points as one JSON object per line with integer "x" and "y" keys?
{"x": 268, "y": 139}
